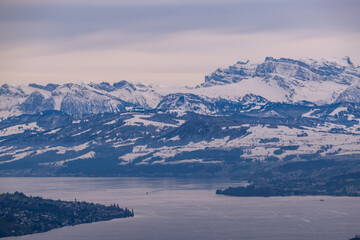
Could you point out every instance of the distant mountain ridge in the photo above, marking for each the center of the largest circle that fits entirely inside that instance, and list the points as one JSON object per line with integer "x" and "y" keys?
{"x": 241, "y": 120}
{"x": 293, "y": 80}
{"x": 285, "y": 80}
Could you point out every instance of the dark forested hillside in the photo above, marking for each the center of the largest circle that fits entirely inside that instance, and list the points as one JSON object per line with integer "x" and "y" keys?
{"x": 21, "y": 214}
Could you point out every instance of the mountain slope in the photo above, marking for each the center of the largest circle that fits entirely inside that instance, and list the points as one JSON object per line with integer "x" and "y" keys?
{"x": 115, "y": 144}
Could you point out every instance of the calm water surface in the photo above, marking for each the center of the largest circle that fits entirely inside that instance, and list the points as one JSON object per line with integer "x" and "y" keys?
{"x": 189, "y": 209}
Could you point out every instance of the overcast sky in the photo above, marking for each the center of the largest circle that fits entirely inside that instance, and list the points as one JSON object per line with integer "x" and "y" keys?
{"x": 167, "y": 42}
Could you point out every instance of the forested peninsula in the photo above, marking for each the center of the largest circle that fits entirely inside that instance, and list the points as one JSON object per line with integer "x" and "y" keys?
{"x": 21, "y": 214}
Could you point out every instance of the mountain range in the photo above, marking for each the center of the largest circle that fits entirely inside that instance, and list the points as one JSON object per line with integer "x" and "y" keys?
{"x": 275, "y": 112}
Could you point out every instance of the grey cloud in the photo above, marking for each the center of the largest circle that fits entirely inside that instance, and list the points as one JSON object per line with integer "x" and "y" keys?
{"x": 63, "y": 20}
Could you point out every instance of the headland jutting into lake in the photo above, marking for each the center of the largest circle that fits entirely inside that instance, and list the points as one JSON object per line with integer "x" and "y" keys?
{"x": 21, "y": 214}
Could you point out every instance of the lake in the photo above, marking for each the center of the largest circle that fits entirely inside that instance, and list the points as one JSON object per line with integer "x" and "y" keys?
{"x": 181, "y": 208}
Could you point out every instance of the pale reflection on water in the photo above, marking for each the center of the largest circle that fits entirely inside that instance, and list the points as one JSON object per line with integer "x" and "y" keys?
{"x": 189, "y": 209}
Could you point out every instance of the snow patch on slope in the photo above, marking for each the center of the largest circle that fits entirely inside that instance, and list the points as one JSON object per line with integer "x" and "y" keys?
{"x": 21, "y": 128}
{"x": 138, "y": 120}
{"x": 338, "y": 110}
{"x": 88, "y": 155}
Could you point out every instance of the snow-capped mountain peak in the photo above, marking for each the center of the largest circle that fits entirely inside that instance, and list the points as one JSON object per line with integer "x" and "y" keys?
{"x": 323, "y": 81}
{"x": 320, "y": 81}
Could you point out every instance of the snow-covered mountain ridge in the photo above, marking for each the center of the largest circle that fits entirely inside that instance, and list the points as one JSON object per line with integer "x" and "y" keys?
{"x": 324, "y": 81}
{"x": 165, "y": 143}
{"x": 286, "y": 80}
{"x": 247, "y": 116}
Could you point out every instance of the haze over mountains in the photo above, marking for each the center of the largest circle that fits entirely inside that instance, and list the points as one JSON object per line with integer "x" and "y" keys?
{"x": 280, "y": 110}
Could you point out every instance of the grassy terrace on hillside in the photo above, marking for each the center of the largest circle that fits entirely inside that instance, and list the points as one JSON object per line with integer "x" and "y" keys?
{"x": 20, "y": 214}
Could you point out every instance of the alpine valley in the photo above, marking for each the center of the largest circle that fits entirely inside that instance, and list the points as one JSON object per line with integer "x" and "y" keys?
{"x": 281, "y": 117}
